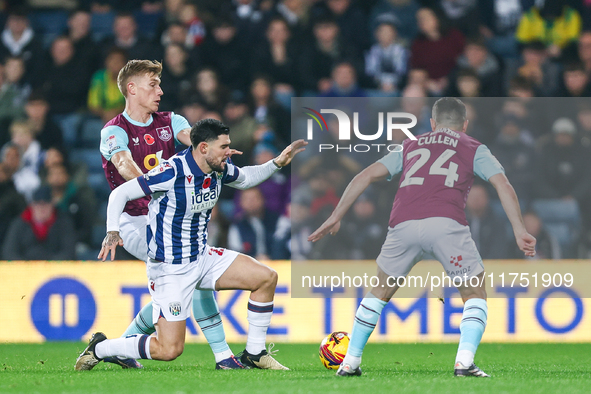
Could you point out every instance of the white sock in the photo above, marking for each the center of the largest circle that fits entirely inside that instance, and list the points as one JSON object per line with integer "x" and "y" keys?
{"x": 353, "y": 361}
{"x": 259, "y": 318}
{"x": 223, "y": 355}
{"x": 466, "y": 357}
{"x": 133, "y": 346}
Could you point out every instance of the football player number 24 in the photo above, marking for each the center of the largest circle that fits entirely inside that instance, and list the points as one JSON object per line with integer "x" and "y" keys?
{"x": 450, "y": 173}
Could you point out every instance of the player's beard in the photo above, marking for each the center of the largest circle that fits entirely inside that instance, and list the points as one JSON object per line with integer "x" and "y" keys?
{"x": 217, "y": 167}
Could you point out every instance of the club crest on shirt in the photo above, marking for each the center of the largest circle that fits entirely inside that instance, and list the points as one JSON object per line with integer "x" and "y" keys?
{"x": 175, "y": 308}
{"x": 164, "y": 133}
{"x": 149, "y": 139}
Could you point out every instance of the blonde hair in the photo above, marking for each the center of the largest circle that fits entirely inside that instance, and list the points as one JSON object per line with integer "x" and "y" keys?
{"x": 134, "y": 68}
{"x": 21, "y": 127}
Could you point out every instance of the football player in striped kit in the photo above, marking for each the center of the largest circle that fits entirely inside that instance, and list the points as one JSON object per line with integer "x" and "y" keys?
{"x": 184, "y": 190}
{"x": 133, "y": 143}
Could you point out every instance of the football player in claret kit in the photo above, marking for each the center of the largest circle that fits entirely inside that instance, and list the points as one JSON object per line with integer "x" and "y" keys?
{"x": 184, "y": 191}
{"x": 133, "y": 143}
{"x": 428, "y": 219}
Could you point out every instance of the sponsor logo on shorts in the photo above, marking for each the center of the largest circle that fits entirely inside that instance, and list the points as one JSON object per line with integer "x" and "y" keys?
{"x": 455, "y": 260}
{"x": 152, "y": 285}
{"x": 164, "y": 133}
{"x": 175, "y": 308}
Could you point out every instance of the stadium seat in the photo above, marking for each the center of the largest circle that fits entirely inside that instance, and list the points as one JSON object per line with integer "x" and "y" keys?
{"x": 147, "y": 23}
{"x": 102, "y": 25}
{"x": 90, "y": 157}
{"x": 90, "y": 132}
{"x": 49, "y": 24}
{"x": 562, "y": 219}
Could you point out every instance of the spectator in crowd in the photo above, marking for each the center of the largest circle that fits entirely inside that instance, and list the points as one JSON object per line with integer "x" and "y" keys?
{"x": 488, "y": 230}
{"x": 514, "y": 151}
{"x": 190, "y": 17}
{"x": 176, "y": 77}
{"x": 210, "y": 90}
{"x": 126, "y": 37}
{"x": 178, "y": 34}
{"x": 217, "y": 228}
{"x": 547, "y": 246}
{"x": 386, "y": 61}
{"x": 295, "y": 13}
{"x": 14, "y": 72}
{"x": 465, "y": 83}
{"x": 476, "y": 57}
{"x": 584, "y": 121}
{"x": 555, "y": 24}
{"x": 282, "y": 239}
{"x": 223, "y": 50}
{"x": 66, "y": 88}
{"x": 276, "y": 56}
{"x": 436, "y": 49}
{"x": 575, "y": 81}
{"x": 85, "y": 49}
{"x": 584, "y": 50}
{"x": 346, "y": 13}
{"x": 41, "y": 232}
{"x": 11, "y": 105}
{"x": 499, "y": 22}
{"x": 193, "y": 108}
{"x": 266, "y": 110}
{"x": 47, "y": 132}
{"x": 77, "y": 201}
{"x": 25, "y": 164}
{"x": 276, "y": 189}
{"x": 364, "y": 229}
{"x": 536, "y": 66}
{"x": 252, "y": 233}
{"x": 319, "y": 57}
{"x": 405, "y": 13}
{"x": 344, "y": 82}
{"x": 562, "y": 169}
{"x": 104, "y": 98}
{"x": 244, "y": 127}
{"x": 462, "y": 15}
{"x": 18, "y": 39}
{"x": 12, "y": 203}
{"x": 414, "y": 102}
{"x": 250, "y": 18}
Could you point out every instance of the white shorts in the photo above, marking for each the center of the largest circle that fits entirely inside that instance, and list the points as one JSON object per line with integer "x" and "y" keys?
{"x": 441, "y": 238}
{"x": 133, "y": 234}
{"x": 171, "y": 285}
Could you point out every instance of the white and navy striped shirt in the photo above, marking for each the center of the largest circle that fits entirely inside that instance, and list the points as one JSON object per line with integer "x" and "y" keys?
{"x": 182, "y": 201}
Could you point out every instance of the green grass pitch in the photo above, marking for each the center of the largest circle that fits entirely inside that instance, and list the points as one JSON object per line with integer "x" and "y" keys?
{"x": 408, "y": 368}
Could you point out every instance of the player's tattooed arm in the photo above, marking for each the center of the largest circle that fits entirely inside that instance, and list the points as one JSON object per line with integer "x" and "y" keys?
{"x": 125, "y": 165}
{"x": 110, "y": 244}
{"x": 373, "y": 173}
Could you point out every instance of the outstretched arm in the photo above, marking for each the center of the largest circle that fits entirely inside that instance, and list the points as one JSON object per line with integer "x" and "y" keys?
{"x": 525, "y": 241}
{"x": 373, "y": 173}
{"x": 119, "y": 197}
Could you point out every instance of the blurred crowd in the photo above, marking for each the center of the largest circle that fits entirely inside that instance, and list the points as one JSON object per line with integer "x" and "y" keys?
{"x": 241, "y": 61}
